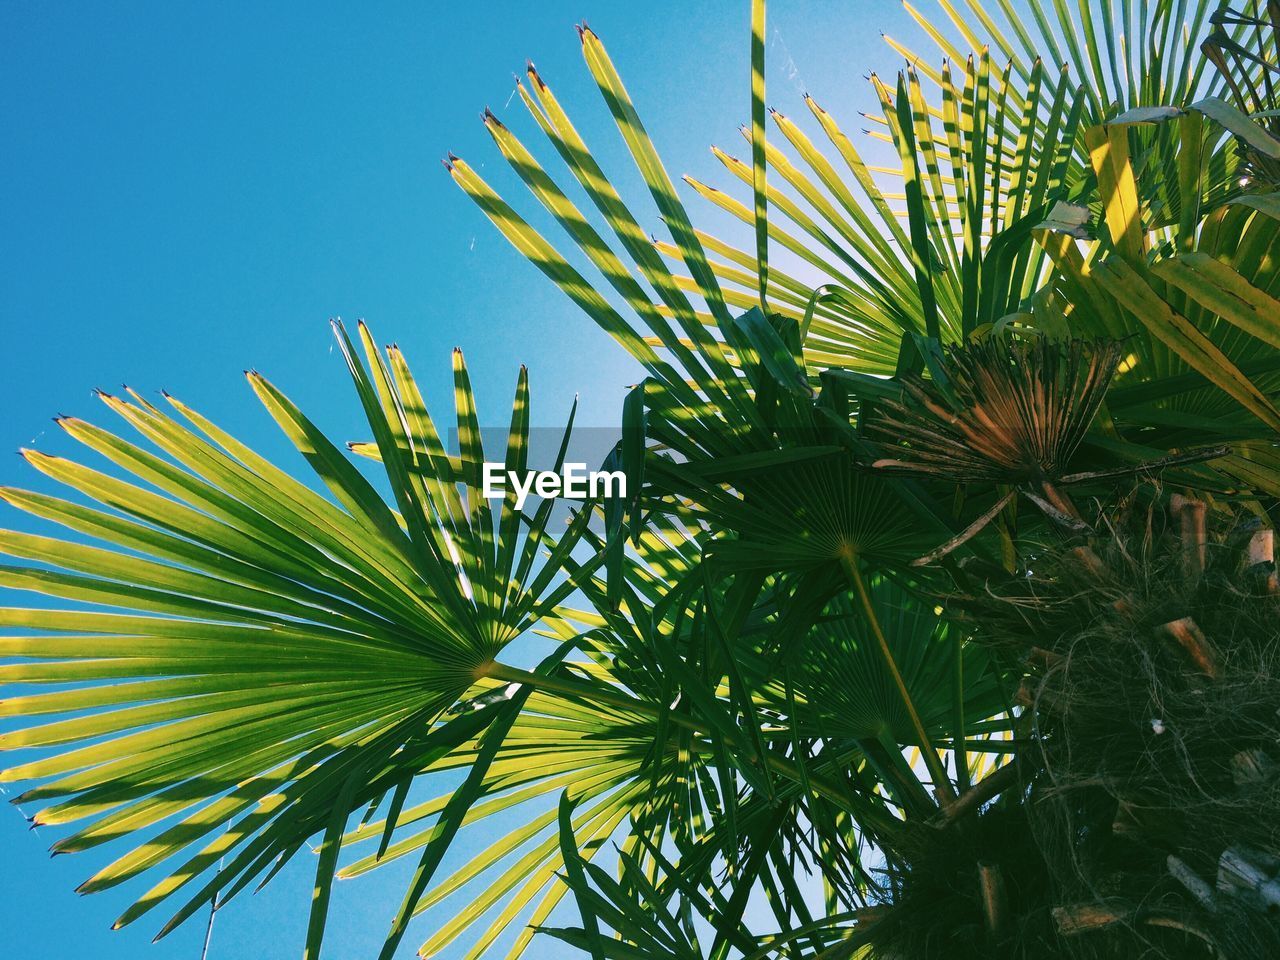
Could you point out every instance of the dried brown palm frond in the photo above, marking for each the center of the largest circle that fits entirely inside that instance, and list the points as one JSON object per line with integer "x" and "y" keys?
{"x": 1007, "y": 412}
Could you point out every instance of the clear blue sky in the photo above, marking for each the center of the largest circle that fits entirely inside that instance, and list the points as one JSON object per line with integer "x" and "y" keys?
{"x": 191, "y": 189}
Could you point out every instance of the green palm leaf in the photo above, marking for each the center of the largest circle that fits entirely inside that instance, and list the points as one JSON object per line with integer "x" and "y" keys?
{"x": 1187, "y": 300}
{"x": 271, "y": 659}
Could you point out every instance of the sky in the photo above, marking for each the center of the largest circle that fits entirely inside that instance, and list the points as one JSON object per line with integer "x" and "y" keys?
{"x": 189, "y": 190}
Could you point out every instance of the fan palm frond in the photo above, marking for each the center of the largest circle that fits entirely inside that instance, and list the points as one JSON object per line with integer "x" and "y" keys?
{"x": 275, "y": 659}
{"x": 1245, "y": 47}
{"x": 1192, "y": 303}
{"x": 1008, "y": 412}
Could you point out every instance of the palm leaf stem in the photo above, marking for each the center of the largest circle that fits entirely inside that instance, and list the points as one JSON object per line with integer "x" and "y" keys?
{"x": 942, "y": 783}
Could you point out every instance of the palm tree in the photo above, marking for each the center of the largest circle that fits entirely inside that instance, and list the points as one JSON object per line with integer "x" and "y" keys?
{"x": 814, "y": 657}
